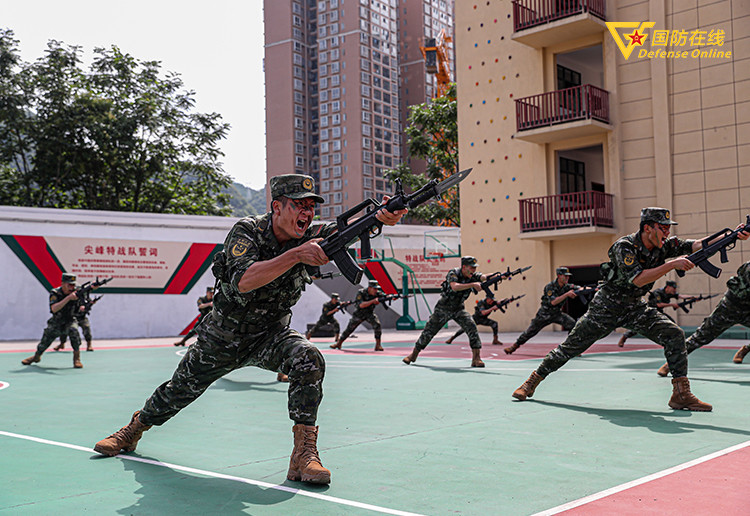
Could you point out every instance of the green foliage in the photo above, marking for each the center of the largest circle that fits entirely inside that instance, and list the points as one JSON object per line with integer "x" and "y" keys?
{"x": 119, "y": 136}
{"x": 246, "y": 201}
{"x": 433, "y": 137}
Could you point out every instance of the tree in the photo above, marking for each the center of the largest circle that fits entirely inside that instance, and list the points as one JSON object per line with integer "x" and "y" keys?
{"x": 119, "y": 136}
{"x": 433, "y": 137}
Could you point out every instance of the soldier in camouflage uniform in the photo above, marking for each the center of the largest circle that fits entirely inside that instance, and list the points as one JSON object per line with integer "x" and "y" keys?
{"x": 326, "y": 317}
{"x": 63, "y": 306}
{"x": 734, "y": 308}
{"x": 456, "y": 288}
{"x": 366, "y": 301}
{"x": 82, "y": 318}
{"x": 205, "y": 304}
{"x": 553, "y": 296}
{"x": 659, "y": 298}
{"x": 260, "y": 276}
{"x": 636, "y": 262}
{"x": 481, "y": 316}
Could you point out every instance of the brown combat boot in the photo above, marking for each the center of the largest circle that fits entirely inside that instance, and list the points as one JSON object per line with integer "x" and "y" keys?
{"x": 510, "y": 349}
{"x": 281, "y": 377}
{"x": 305, "y": 462}
{"x": 496, "y": 341}
{"x": 683, "y": 399}
{"x": 89, "y": 347}
{"x": 622, "y": 340}
{"x": 33, "y": 359}
{"x": 450, "y": 339}
{"x": 412, "y": 357}
{"x": 740, "y": 355}
{"x": 663, "y": 370}
{"x": 476, "y": 360}
{"x": 180, "y": 342}
{"x": 529, "y": 386}
{"x": 336, "y": 345}
{"x": 77, "y": 359}
{"x": 59, "y": 347}
{"x": 378, "y": 347}
{"x": 126, "y": 438}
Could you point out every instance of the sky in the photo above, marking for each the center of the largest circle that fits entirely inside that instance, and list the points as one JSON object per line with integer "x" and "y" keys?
{"x": 216, "y": 47}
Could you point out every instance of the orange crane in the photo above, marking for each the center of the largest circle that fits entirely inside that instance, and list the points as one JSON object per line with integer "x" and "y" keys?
{"x": 436, "y": 60}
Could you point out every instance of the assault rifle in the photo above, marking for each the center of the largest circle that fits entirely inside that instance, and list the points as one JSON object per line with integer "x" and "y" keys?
{"x": 497, "y": 277}
{"x": 87, "y": 306}
{"x": 688, "y": 303}
{"x": 387, "y": 299}
{"x": 88, "y": 286}
{"x": 586, "y": 294}
{"x": 502, "y": 305}
{"x": 368, "y": 226}
{"x": 721, "y": 246}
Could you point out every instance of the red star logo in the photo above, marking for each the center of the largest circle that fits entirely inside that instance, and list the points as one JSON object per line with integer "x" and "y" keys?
{"x": 636, "y": 39}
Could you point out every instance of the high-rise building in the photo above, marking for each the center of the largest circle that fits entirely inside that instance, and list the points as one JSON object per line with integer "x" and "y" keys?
{"x": 572, "y": 127}
{"x": 335, "y": 89}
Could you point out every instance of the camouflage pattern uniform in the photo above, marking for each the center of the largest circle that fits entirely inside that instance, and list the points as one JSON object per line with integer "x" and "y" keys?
{"x": 484, "y": 320}
{"x": 618, "y": 304}
{"x": 451, "y": 306}
{"x": 549, "y": 313}
{"x": 364, "y": 314}
{"x": 252, "y": 328}
{"x": 658, "y": 295}
{"x": 82, "y": 319}
{"x": 734, "y": 308}
{"x": 327, "y": 319}
{"x": 63, "y": 323}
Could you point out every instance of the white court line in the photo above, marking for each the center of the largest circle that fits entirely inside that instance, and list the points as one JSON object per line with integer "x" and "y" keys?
{"x": 203, "y": 472}
{"x": 637, "y": 482}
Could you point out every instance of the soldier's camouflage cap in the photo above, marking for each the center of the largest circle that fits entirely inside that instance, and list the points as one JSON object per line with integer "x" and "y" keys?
{"x": 469, "y": 260}
{"x": 563, "y": 270}
{"x": 334, "y": 294}
{"x": 672, "y": 284}
{"x": 373, "y": 283}
{"x": 658, "y": 215}
{"x": 68, "y": 278}
{"x": 294, "y": 186}
{"x": 209, "y": 289}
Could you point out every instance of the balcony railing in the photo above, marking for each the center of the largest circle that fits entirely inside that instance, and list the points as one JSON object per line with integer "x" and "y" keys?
{"x": 571, "y": 210}
{"x": 560, "y": 106}
{"x": 530, "y": 13}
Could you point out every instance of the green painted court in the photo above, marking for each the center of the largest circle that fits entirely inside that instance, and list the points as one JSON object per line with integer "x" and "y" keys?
{"x": 436, "y": 437}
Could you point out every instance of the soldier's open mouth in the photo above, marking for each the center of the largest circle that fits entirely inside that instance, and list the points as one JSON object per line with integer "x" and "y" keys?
{"x": 302, "y": 224}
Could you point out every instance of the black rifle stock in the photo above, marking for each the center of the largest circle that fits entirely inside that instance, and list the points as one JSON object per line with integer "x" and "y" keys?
{"x": 368, "y": 226}
{"x": 688, "y": 303}
{"x": 497, "y": 277}
{"x": 585, "y": 294}
{"x": 721, "y": 246}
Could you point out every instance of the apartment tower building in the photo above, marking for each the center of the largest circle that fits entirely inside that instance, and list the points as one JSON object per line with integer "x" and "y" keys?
{"x": 572, "y": 128}
{"x": 333, "y": 90}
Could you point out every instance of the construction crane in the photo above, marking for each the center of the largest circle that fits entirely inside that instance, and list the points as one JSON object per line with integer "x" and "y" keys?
{"x": 437, "y": 62}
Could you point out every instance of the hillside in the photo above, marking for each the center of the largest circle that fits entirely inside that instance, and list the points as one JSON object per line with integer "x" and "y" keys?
{"x": 246, "y": 201}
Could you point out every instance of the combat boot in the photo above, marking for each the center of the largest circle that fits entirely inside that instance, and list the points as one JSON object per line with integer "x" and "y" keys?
{"x": 663, "y": 370}
{"x": 336, "y": 345}
{"x": 89, "y": 347}
{"x": 180, "y": 342}
{"x": 476, "y": 360}
{"x": 33, "y": 359}
{"x": 496, "y": 341}
{"x": 59, "y": 347}
{"x": 622, "y": 340}
{"x": 412, "y": 357}
{"x": 305, "y": 462}
{"x": 77, "y": 359}
{"x": 529, "y": 386}
{"x": 281, "y": 377}
{"x": 740, "y": 355}
{"x": 450, "y": 339}
{"x": 378, "y": 347}
{"x": 683, "y": 399}
{"x": 126, "y": 438}
{"x": 510, "y": 349}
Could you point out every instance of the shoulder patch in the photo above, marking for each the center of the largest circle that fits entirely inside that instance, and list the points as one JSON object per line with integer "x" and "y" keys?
{"x": 629, "y": 259}
{"x": 240, "y": 247}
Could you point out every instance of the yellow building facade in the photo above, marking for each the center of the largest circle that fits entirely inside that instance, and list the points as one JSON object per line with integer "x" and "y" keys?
{"x": 572, "y": 126}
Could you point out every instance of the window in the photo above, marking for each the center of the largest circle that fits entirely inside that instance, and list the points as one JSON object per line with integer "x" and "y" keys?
{"x": 336, "y": 132}
{"x": 365, "y": 90}
{"x": 335, "y": 119}
{"x": 325, "y": 212}
{"x": 323, "y": 57}
{"x": 323, "y": 83}
{"x": 336, "y": 158}
{"x": 367, "y": 170}
{"x": 299, "y": 148}
{"x": 337, "y": 184}
{"x": 366, "y": 156}
{"x": 572, "y": 176}
{"x": 299, "y": 136}
{"x": 298, "y": 85}
{"x": 335, "y": 80}
{"x": 366, "y": 142}
{"x": 367, "y": 182}
{"x": 322, "y": 31}
{"x": 366, "y": 130}
{"x": 334, "y": 15}
{"x": 366, "y": 104}
{"x": 324, "y": 160}
{"x": 336, "y": 171}
{"x": 337, "y": 199}
{"x": 336, "y": 145}
{"x": 324, "y": 173}
{"x": 324, "y": 95}
{"x": 323, "y": 109}
{"x": 334, "y": 54}
{"x": 298, "y": 60}
{"x": 299, "y": 161}
{"x": 324, "y": 134}
{"x": 298, "y": 123}
{"x": 335, "y": 93}
{"x": 337, "y": 209}
{"x": 323, "y": 121}
{"x": 298, "y": 97}
{"x": 334, "y": 68}
{"x": 325, "y": 186}
{"x": 324, "y": 147}
{"x": 365, "y": 116}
